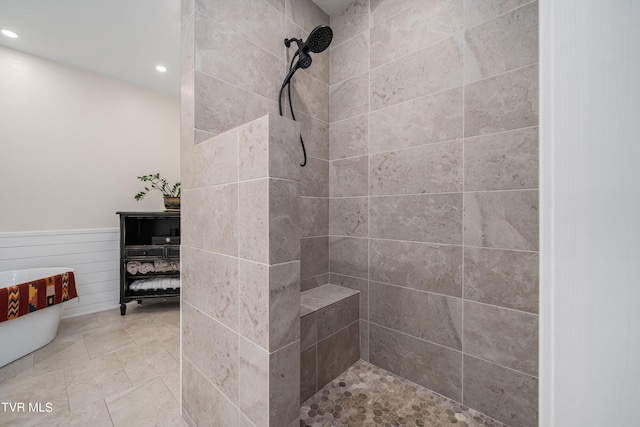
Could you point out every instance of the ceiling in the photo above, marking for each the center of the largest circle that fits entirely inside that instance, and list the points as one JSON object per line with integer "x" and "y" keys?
{"x": 124, "y": 39}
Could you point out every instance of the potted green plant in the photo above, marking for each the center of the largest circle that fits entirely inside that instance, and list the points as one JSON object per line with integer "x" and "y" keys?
{"x": 171, "y": 193}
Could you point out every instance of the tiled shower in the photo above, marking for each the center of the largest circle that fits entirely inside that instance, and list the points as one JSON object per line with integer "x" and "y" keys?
{"x": 420, "y": 190}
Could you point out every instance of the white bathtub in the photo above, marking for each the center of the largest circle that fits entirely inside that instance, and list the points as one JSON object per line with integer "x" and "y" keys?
{"x": 21, "y": 336}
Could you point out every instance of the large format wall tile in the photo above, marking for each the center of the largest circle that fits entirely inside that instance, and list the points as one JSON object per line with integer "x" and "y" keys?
{"x": 429, "y": 365}
{"x": 202, "y": 401}
{"x": 503, "y": 219}
{"x": 213, "y": 348}
{"x": 504, "y": 102}
{"x": 479, "y": 11}
{"x": 220, "y": 106}
{"x": 314, "y": 216}
{"x": 187, "y": 103}
{"x": 221, "y": 53}
{"x": 253, "y": 372}
{"x": 425, "y": 120}
{"x": 353, "y": 20}
{"x": 350, "y": 59}
{"x": 433, "y": 69}
{"x": 503, "y": 336}
{"x": 349, "y": 256}
{"x": 284, "y": 221}
{"x": 433, "y": 168}
{"x": 421, "y": 266}
{"x": 360, "y": 285}
{"x": 306, "y": 15}
{"x": 310, "y": 95}
{"x": 504, "y": 278}
{"x": 315, "y": 134}
{"x": 315, "y": 281}
{"x": 501, "y": 393}
{"x": 308, "y": 374}
{"x": 337, "y": 352}
{"x": 315, "y": 178}
{"x": 349, "y": 177}
{"x": 187, "y": 46}
{"x": 210, "y": 218}
{"x": 333, "y": 317}
{"x": 349, "y": 98}
{"x": 349, "y": 138}
{"x": 420, "y": 25}
{"x": 349, "y": 217}
{"x": 255, "y": 20}
{"x": 212, "y": 162}
{"x": 502, "y": 161}
{"x": 435, "y": 218}
{"x": 314, "y": 256}
{"x": 284, "y": 304}
{"x": 253, "y": 221}
{"x": 211, "y": 284}
{"x": 284, "y": 385}
{"x": 502, "y": 44}
{"x": 424, "y": 315}
{"x": 381, "y": 10}
{"x": 253, "y": 283}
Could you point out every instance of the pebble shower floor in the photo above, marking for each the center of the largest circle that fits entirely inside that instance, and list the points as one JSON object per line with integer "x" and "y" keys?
{"x": 365, "y": 395}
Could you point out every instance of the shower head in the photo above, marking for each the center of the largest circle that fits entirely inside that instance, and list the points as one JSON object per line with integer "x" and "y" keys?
{"x": 305, "y": 60}
{"x": 320, "y": 38}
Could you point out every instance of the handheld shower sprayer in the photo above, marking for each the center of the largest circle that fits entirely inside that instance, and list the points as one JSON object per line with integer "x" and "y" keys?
{"x": 319, "y": 40}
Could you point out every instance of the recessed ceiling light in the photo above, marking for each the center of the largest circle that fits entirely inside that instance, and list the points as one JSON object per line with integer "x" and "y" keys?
{"x": 9, "y": 34}
{"x": 161, "y": 68}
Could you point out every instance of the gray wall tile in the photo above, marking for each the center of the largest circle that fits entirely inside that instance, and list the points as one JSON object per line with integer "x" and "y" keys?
{"x": 305, "y": 14}
{"x": 429, "y": 365}
{"x": 349, "y": 177}
{"x": 254, "y": 149}
{"x": 422, "y": 24}
{"x": 381, "y": 10}
{"x": 209, "y": 218}
{"x": 284, "y": 221}
{"x": 353, "y": 20}
{"x": 314, "y": 216}
{"x": 314, "y": 256}
{"x": 307, "y": 373}
{"x": 503, "y": 336}
{"x": 212, "y": 162}
{"x": 284, "y": 148}
{"x": 350, "y": 59}
{"x": 427, "y": 316}
{"x": 502, "y": 161}
{"x": 254, "y": 20}
{"x": 479, "y": 11}
{"x": 310, "y": 95}
{"x": 425, "y": 120}
{"x": 315, "y": 134}
{"x": 187, "y": 103}
{"x": 220, "y": 106}
{"x": 337, "y": 316}
{"x": 210, "y": 283}
{"x": 360, "y": 285}
{"x": 504, "y": 219}
{"x": 349, "y": 98}
{"x": 324, "y": 296}
{"x": 187, "y": 45}
{"x": 349, "y": 138}
{"x": 254, "y": 382}
{"x": 364, "y": 340}
{"x": 284, "y": 385}
{"x": 501, "y": 393}
{"x": 253, "y": 221}
{"x": 421, "y": 266}
{"x": 502, "y": 44}
{"x": 253, "y": 282}
{"x": 504, "y": 102}
{"x": 337, "y": 352}
{"x": 316, "y": 281}
{"x": 284, "y": 304}
{"x": 349, "y": 217}
{"x": 435, "y": 68}
{"x": 221, "y": 53}
{"x": 435, "y": 218}
{"x": 213, "y": 348}
{"x": 348, "y": 256}
{"x": 434, "y": 168}
{"x": 504, "y": 278}
{"x": 315, "y": 178}
{"x": 309, "y": 330}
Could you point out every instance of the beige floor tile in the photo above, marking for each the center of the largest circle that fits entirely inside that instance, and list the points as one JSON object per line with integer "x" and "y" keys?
{"x": 172, "y": 380}
{"x": 63, "y": 351}
{"x": 146, "y": 361}
{"x": 94, "y": 415}
{"x": 105, "y": 340}
{"x": 78, "y": 325}
{"x": 18, "y": 370}
{"x": 149, "y": 330}
{"x": 95, "y": 380}
{"x": 41, "y": 390}
{"x": 150, "y": 404}
{"x": 172, "y": 344}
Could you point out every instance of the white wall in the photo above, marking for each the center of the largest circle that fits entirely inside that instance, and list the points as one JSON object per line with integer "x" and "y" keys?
{"x": 590, "y": 212}
{"x": 73, "y": 142}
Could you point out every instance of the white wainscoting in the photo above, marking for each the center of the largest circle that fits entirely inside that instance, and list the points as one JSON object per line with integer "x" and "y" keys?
{"x": 94, "y": 254}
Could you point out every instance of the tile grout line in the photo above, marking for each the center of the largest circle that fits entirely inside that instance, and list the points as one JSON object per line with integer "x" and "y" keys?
{"x": 368, "y": 175}
{"x": 462, "y": 346}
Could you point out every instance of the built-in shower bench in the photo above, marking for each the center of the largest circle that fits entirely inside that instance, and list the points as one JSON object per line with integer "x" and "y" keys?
{"x": 329, "y": 335}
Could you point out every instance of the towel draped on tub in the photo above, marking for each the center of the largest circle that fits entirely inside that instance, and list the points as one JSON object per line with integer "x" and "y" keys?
{"x": 22, "y": 299}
